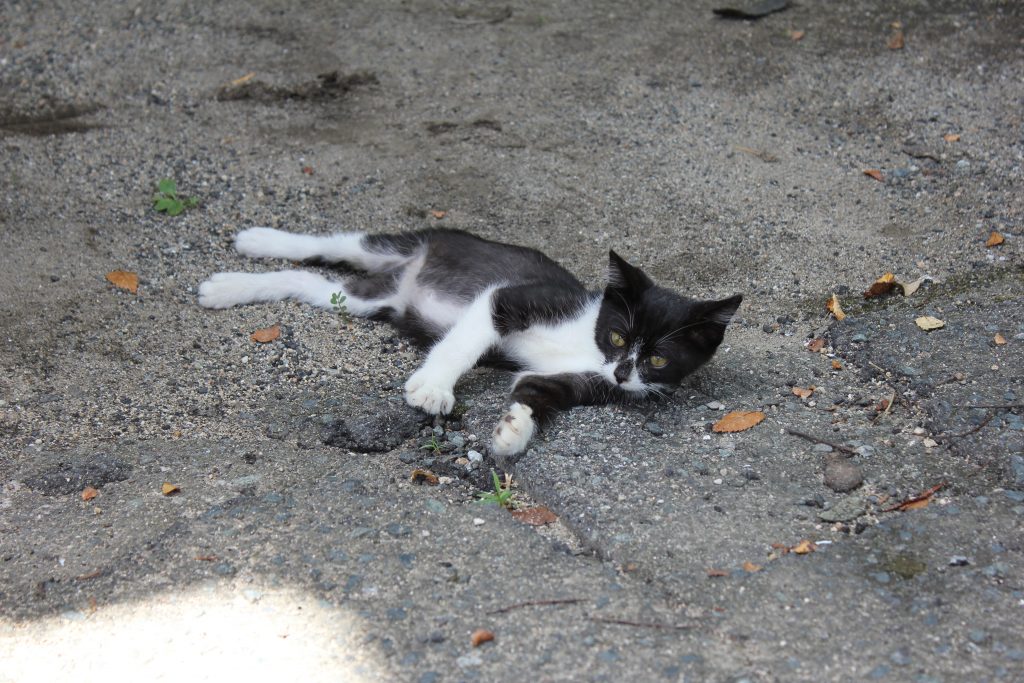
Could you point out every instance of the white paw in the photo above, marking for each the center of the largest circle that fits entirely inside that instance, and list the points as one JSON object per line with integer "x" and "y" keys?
{"x": 224, "y": 290}
{"x": 265, "y": 242}
{"x": 429, "y": 396}
{"x": 513, "y": 431}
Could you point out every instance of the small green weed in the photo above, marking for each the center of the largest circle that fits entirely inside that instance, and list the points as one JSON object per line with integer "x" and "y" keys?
{"x": 166, "y": 198}
{"x": 434, "y": 446}
{"x": 502, "y": 494}
{"x": 338, "y": 302}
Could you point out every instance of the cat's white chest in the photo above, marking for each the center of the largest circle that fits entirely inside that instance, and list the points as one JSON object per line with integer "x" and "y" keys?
{"x": 567, "y": 346}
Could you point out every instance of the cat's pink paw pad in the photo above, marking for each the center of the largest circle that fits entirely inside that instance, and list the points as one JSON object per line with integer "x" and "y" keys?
{"x": 514, "y": 431}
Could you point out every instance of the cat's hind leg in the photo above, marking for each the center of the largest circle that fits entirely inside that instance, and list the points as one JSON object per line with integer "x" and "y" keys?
{"x": 223, "y": 290}
{"x": 355, "y": 248}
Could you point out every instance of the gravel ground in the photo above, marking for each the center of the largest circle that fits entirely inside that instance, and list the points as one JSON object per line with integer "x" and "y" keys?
{"x": 722, "y": 156}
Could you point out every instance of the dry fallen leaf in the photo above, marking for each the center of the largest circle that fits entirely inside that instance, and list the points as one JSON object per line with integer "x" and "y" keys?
{"x": 951, "y": 137}
{"x": 816, "y": 345}
{"x": 928, "y": 323}
{"x": 535, "y": 516}
{"x": 266, "y": 335}
{"x": 910, "y": 287}
{"x": 917, "y": 502}
{"x": 874, "y": 173}
{"x": 438, "y": 214}
{"x": 804, "y": 547}
{"x": 994, "y": 240}
{"x": 308, "y": 170}
{"x": 717, "y": 572}
{"x": 896, "y": 41}
{"x": 423, "y": 477}
{"x": 242, "y": 80}
{"x": 1000, "y": 340}
{"x": 882, "y": 285}
{"x": 836, "y": 365}
{"x": 796, "y": 35}
{"x": 834, "y": 308}
{"x": 88, "y": 493}
{"x": 751, "y": 567}
{"x": 169, "y": 489}
{"x": 481, "y": 636}
{"x": 124, "y": 279}
{"x": 803, "y": 393}
{"x": 738, "y": 421}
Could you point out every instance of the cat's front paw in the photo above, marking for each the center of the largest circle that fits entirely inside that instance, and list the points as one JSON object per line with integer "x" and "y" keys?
{"x": 428, "y": 396}
{"x": 514, "y": 431}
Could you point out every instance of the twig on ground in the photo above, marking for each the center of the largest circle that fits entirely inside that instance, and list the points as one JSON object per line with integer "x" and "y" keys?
{"x": 642, "y": 624}
{"x": 977, "y": 428}
{"x": 835, "y": 446}
{"x": 535, "y": 603}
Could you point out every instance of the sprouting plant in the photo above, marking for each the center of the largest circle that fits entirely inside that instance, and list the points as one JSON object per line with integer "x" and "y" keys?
{"x": 166, "y": 198}
{"x": 433, "y": 445}
{"x": 502, "y": 494}
{"x": 338, "y": 302}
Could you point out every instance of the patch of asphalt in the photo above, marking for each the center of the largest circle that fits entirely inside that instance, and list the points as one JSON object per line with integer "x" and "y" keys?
{"x": 723, "y": 157}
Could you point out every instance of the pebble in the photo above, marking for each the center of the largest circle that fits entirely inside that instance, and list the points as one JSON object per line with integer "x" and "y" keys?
{"x": 654, "y": 428}
{"x": 842, "y": 476}
{"x": 469, "y": 661}
{"x": 475, "y": 457}
{"x": 477, "y": 521}
{"x": 822, "y": 448}
{"x": 859, "y": 337}
{"x": 457, "y": 440}
{"x": 715, "y": 405}
{"x": 845, "y": 510}
{"x": 1017, "y": 469}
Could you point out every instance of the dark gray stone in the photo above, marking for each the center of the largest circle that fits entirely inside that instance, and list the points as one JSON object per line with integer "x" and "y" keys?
{"x": 842, "y": 475}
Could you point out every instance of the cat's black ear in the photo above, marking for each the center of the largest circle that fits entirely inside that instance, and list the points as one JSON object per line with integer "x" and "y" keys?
{"x": 621, "y": 275}
{"x": 713, "y": 316}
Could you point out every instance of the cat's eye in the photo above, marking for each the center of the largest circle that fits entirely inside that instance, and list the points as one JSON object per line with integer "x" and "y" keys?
{"x": 617, "y": 339}
{"x": 658, "y": 361}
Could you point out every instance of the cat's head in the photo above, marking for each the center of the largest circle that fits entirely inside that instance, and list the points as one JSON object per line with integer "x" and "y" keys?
{"x": 651, "y": 337}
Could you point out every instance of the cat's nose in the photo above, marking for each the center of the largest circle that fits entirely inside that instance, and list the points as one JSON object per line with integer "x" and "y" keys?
{"x": 623, "y": 371}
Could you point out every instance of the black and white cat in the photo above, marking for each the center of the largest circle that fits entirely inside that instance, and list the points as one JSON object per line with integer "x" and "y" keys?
{"x": 474, "y": 301}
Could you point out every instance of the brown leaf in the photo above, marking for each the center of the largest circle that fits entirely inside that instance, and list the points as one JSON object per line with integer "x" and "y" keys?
{"x": 994, "y": 240}
{"x": 874, "y": 173}
{"x": 1000, "y": 340}
{"x": 796, "y": 35}
{"x": 951, "y": 137}
{"x": 481, "y": 636}
{"x": 921, "y": 500}
{"x": 883, "y": 405}
{"x": 266, "y": 335}
{"x": 536, "y": 516}
{"x": 804, "y": 547}
{"x": 834, "y": 308}
{"x": 206, "y": 558}
{"x": 803, "y": 393}
{"x": 124, "y": 279}
{"x": 738, "y": 421}
{"x": 781, "y": 546}
{"x": 88, "y": 493}
{"x": 419, "y": 476}
{"x": 836, "y": 365}
{"x": 895, "y": 41}
{"x": 717, "y": 572}
{"x": 308, "y": 170}
{"x": 882, "y": 285}
{"x": 169, "y": 489}
{"x": 929, "y": 323}
{"x": 438, "y": 214}
{"x": 750, "y": 567}
{"x": 816, "y": 345}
